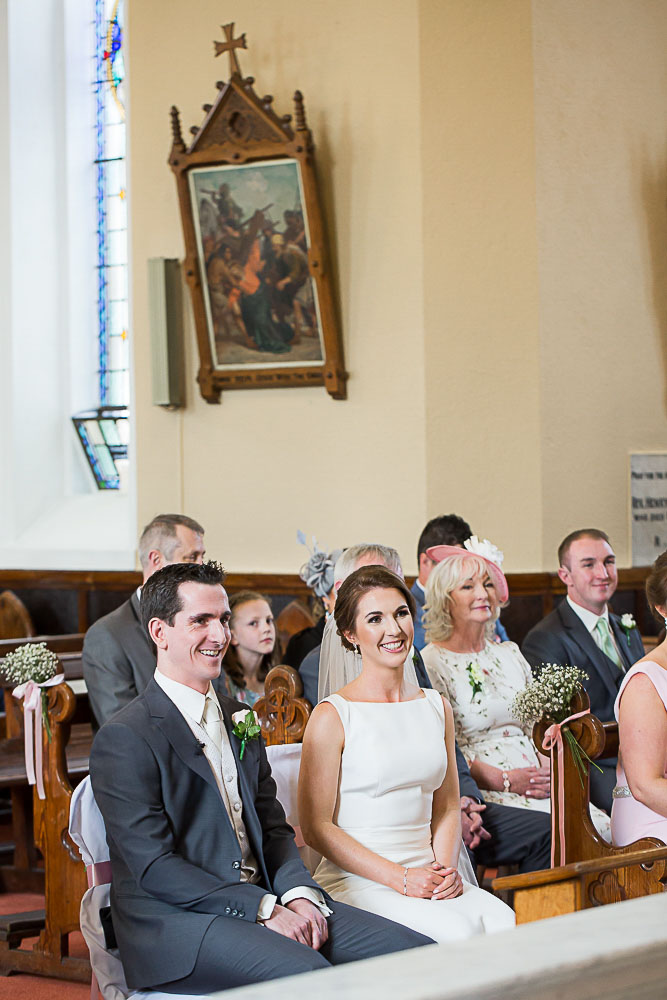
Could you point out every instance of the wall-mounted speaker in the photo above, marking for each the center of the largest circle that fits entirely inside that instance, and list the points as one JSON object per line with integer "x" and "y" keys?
{"x": 165, "y": 306}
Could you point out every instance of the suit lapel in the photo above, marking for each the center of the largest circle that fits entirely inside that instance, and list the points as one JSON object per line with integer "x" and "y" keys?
{"x": 606, "y": 668}
{"x": 250, "y": 817}
{"x": 621, "y": 640}
{"x": 170, "y": 721}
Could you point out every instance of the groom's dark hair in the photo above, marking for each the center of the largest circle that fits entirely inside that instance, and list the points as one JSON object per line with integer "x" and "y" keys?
{"x": 353, "y": 588}
{"x": 160, "y": 596}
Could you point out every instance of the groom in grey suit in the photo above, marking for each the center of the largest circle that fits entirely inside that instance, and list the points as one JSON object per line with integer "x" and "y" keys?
{"x": 208, "y": 890}
{"x": 118, "y": 655}
{"x": 582, "y": 631}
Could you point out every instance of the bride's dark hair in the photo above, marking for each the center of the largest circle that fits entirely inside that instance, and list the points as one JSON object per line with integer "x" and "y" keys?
{"x": 656, "y": 585}
{"x": 353, "y": 589}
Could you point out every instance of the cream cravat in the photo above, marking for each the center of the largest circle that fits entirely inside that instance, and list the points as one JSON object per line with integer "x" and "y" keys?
{"x": 212, "y": 722}
{"x": 606, "y": 642}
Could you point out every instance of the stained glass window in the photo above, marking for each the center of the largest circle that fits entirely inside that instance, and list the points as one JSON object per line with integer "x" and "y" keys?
{"x": 104, "y": 433}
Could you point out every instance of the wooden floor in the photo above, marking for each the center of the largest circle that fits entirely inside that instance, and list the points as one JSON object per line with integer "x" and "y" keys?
{"x": 23, "y": 987}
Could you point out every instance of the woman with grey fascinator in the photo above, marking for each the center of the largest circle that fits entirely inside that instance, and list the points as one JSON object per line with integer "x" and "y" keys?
{"x": 318, "y": 574}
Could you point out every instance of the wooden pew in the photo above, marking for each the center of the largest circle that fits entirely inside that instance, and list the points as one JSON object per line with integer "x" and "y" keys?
{"x": 64, "y": 875}
{"x": 24, "y": 872}
{"x": 283, "y": 713}
{"x": 587, "y": 870}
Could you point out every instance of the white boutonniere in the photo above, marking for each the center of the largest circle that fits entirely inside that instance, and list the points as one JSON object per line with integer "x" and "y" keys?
{"x": 246, "y": 727}
{"x": 628, "y": 624}
{"x": 475, "y": 678}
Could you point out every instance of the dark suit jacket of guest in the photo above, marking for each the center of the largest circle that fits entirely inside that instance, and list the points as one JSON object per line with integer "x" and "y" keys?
{"x": 563, "y": 638}
{"x": 175, "y": 856}
{"x": 119, "y": 660}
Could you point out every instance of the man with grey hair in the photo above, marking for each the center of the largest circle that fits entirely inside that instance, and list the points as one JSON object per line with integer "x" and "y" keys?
{"x": 118, "y": 656}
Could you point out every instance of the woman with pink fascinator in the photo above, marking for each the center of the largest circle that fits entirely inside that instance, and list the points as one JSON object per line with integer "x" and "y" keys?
{"x": 480, "y": 677}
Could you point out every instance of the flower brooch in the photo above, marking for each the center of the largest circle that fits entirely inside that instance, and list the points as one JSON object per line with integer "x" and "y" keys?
{"x": 246, "y": 727}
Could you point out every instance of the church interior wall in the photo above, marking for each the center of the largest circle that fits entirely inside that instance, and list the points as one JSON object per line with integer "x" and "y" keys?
{"x": 493, "y": 180}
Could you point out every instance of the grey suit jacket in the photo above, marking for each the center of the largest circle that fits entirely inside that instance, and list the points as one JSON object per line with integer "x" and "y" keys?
{"x": 175, "y": 857}
{"x": 118, "y": 660}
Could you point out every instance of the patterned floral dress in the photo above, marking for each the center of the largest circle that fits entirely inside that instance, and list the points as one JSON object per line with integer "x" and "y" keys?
{"x": 481, "y": 688}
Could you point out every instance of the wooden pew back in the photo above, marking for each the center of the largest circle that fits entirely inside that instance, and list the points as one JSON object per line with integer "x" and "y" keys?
{"x": 587, "y": 870}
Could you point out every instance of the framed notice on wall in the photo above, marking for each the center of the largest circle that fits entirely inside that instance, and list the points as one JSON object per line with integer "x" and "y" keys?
{"x": 648, "y": 506}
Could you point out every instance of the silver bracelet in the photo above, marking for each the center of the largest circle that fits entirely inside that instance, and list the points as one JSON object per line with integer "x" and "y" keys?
{"x": 405, "y": 882}
{"x": 506, "y": 781}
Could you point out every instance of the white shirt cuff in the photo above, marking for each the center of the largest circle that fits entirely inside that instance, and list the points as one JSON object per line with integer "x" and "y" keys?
{"x": 265, "y": 908}
{"x": 313, "y": 896}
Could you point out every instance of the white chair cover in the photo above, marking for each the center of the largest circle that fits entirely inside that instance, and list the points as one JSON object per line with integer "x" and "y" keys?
{"x": 86, "y": 828}
{"x": 285, "y": 761}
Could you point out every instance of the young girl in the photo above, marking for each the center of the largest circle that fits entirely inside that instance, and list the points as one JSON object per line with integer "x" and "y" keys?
{"x": 252, "y": 651}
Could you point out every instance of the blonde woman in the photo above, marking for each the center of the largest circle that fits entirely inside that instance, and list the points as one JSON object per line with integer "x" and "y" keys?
{"x": 480, "y": 677}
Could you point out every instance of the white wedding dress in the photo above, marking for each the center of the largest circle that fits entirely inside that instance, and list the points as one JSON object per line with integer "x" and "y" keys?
{"x": 393, "y": 761}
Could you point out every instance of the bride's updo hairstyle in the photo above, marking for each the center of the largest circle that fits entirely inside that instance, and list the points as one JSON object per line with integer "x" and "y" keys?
{"x": 353, "y": 588}
{"x": 656, "y": 586}
{"x": 443, "y": 579}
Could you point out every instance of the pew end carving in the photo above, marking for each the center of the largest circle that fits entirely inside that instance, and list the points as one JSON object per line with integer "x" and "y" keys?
{"x": 283, "y": 714}
{"x": 587, "y": 871}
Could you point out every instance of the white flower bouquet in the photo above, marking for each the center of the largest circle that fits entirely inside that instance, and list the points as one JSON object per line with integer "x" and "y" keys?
{"x": 549, "y": 697}
{"x": 33, "y": 664}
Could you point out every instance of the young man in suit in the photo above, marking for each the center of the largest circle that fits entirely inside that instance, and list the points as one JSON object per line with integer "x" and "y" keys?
{"x": 582, "y": 631}
{"x": 208, "y": 891}
{"x": 118, "y": 656}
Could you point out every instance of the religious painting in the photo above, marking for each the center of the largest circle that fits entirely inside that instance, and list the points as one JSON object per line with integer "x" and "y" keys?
{"x": 257, "y": 259}
{"x": 252, "y": 244}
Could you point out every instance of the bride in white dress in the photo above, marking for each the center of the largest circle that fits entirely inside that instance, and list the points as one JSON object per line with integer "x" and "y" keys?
{"x": 377, "y": 797}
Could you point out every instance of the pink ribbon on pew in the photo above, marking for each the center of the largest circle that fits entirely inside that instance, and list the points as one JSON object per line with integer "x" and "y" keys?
{"x": 31, "y": 693}
{"x": 553, "y": 737}
{"x": 98, "y": 873}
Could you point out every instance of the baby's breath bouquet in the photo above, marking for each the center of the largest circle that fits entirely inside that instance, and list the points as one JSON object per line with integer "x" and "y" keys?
{"x": 31, "y": 663}
{"x": 549, "y": 697}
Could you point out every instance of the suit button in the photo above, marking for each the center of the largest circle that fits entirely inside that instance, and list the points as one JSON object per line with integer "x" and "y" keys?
{"x": 236, "y": 864}
{"x": 242, "y": 913}
{"x": 235, "y": 913}
{"x": 228, "y": 909}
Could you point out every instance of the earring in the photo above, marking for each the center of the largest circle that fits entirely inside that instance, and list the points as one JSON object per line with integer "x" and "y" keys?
{"x": 666, "y": 623}
{"x": 358, "y": 647}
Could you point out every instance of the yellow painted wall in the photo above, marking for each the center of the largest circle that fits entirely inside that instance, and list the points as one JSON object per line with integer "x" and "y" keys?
{"x": 601, "y": 151}
{"x": 265, "y": 463}
{"x": 493, "y": 176}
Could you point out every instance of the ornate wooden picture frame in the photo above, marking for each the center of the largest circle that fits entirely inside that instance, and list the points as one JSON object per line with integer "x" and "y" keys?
{"x": 256, "y": 259}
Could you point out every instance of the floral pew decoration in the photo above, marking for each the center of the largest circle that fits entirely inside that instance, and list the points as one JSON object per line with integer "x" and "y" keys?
{"x": 550, "y": 702}
{"x": 33, "y": 668}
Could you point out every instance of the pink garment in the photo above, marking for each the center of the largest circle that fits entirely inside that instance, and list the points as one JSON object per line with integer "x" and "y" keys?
{"x": 630, "y": 819}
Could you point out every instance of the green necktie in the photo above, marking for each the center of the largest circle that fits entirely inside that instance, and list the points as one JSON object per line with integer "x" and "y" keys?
{"x": 606, "y": 642}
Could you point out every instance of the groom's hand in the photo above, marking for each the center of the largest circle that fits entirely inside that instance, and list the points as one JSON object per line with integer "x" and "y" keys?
{"x": 319, "y": 929}
{"x": 290, "y": 924}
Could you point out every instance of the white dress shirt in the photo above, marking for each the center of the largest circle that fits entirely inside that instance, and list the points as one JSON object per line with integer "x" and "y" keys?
{"x": 190, "y": 704}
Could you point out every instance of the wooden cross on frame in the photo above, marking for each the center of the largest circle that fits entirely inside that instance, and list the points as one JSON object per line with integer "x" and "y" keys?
{"x": 229, "y": 46}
